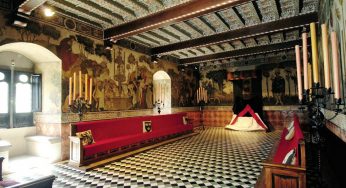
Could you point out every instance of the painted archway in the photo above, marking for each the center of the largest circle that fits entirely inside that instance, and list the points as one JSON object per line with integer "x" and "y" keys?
{"x": 162, "y": 89}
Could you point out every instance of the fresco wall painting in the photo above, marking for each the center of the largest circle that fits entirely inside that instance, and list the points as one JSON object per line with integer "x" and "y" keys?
{"x": 122, "y": 78}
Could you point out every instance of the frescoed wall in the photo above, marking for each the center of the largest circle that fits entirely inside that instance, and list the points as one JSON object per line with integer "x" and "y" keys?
{"x": 279, "y": 84}
{"x": 219, "y": 89}
{"x": 122, "y": 78}
{"x": 333, "y": 14}
{"x": 274, "y": 76}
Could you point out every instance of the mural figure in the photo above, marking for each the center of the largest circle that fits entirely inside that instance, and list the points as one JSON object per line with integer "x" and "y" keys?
{"x": 278, "y": 87}
{"x": 149, "y": 96}
{"x": 64, "y": 51}
{"x": 99, "y": 96}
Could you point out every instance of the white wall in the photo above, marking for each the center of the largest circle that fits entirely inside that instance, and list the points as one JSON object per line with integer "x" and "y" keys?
{"x": 16, "y": 137}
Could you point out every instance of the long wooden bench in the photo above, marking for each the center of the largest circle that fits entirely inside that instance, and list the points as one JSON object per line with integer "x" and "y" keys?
{"x": 120, "y": 135}
{"x": 274, "y": 173}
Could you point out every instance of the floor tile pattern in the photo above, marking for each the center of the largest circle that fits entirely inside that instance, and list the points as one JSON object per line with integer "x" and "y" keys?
{"x": 214, "y": 158}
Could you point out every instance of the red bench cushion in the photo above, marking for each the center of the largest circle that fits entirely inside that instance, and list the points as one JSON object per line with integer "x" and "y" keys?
{"x": 286, "y": 145}
{"x": 116, "y": 133}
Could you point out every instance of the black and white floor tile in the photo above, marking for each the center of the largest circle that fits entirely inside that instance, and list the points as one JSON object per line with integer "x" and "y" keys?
{"x": 214, "y": 158}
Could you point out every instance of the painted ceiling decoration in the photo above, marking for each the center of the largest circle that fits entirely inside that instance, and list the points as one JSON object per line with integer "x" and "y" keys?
{"x": 191, "y": 30}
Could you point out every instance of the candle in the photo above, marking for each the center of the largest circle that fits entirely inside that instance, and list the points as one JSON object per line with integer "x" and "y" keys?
{"x": 336, "y": 78}
{"x": 325, "y": 56}
{"x": 70, "y": 92}
{"x": 305, "y": 60}
{"x": 314, "y": 53}
{"x": 80, "y": 83}
{"x": 74, "y": 85}
{"x": 197, "y": 95}
{"x": 86, "y": 87}
{"x": 310, "y": 75}
{"x": 299, "y": 73}
{"x": 91, "y": 91}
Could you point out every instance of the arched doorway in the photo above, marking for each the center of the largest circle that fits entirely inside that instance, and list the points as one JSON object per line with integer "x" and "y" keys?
{"x": 20, "y": 63}
{"x": 162, "y": 90}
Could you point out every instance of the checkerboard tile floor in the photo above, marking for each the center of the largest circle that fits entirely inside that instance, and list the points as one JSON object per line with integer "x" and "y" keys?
{"x": 214, "y": 158}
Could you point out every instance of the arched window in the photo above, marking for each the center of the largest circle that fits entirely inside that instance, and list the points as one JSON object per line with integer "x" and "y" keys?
{"x": 4, "y": 94}
{"x": 24, "y": 89}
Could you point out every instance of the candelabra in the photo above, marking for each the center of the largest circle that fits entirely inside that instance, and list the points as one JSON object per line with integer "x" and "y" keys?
{"x": 159, "y": 104}
{"x": 79, "y": 106}
{"x": 315, "y": 99}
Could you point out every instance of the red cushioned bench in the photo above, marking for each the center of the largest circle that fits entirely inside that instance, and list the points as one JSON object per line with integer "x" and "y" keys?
{"x": 277, "y": 174}
{"x": 123, "y": 134}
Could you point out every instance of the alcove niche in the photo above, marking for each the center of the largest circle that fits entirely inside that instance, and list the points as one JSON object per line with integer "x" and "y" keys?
{"x": 162, "y": 90}
{"x": 36, "y": 60}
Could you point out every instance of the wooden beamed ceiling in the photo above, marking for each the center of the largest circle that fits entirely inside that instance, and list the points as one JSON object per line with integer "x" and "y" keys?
{"x": 243, "y": 52}
{"x": 279, "y": 25}
{"x": 195, "y": 29}
{"x": 171, "y": 15}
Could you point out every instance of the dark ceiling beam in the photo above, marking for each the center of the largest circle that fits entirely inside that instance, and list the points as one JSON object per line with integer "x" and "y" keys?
{"x": 230, "y": 43}
{"x": 259, "y": 14}
{"x": 300, "y": 5}
{"x": 270, "y": 38}
{"x": 239, "y": 15}
{"x": 158, "y": 36}
{"x": 149, "y": 39}
{"x": 202, "y": 51}
{"x": 139, "y": 41}
{"x": 192, "y": 52}
{"x": 222, "y": 20}
{"x": 170, "y": 33}
{"x": 193, "y": 27}
{"x": 184, "y": 54}
{"x": 251, "y": 31}
{"x": 243, "y": 43}
{"x": 242, "y": 52}
{"x": 278, "y": 7}
{"x": 221, "y": 47}
{"x": 171, "y": 15}
{"x": 256, "y": 40}
{"x": 207, "y": 24}
{"x": 211, "y": 49}
{"x": 181, "y": 30}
